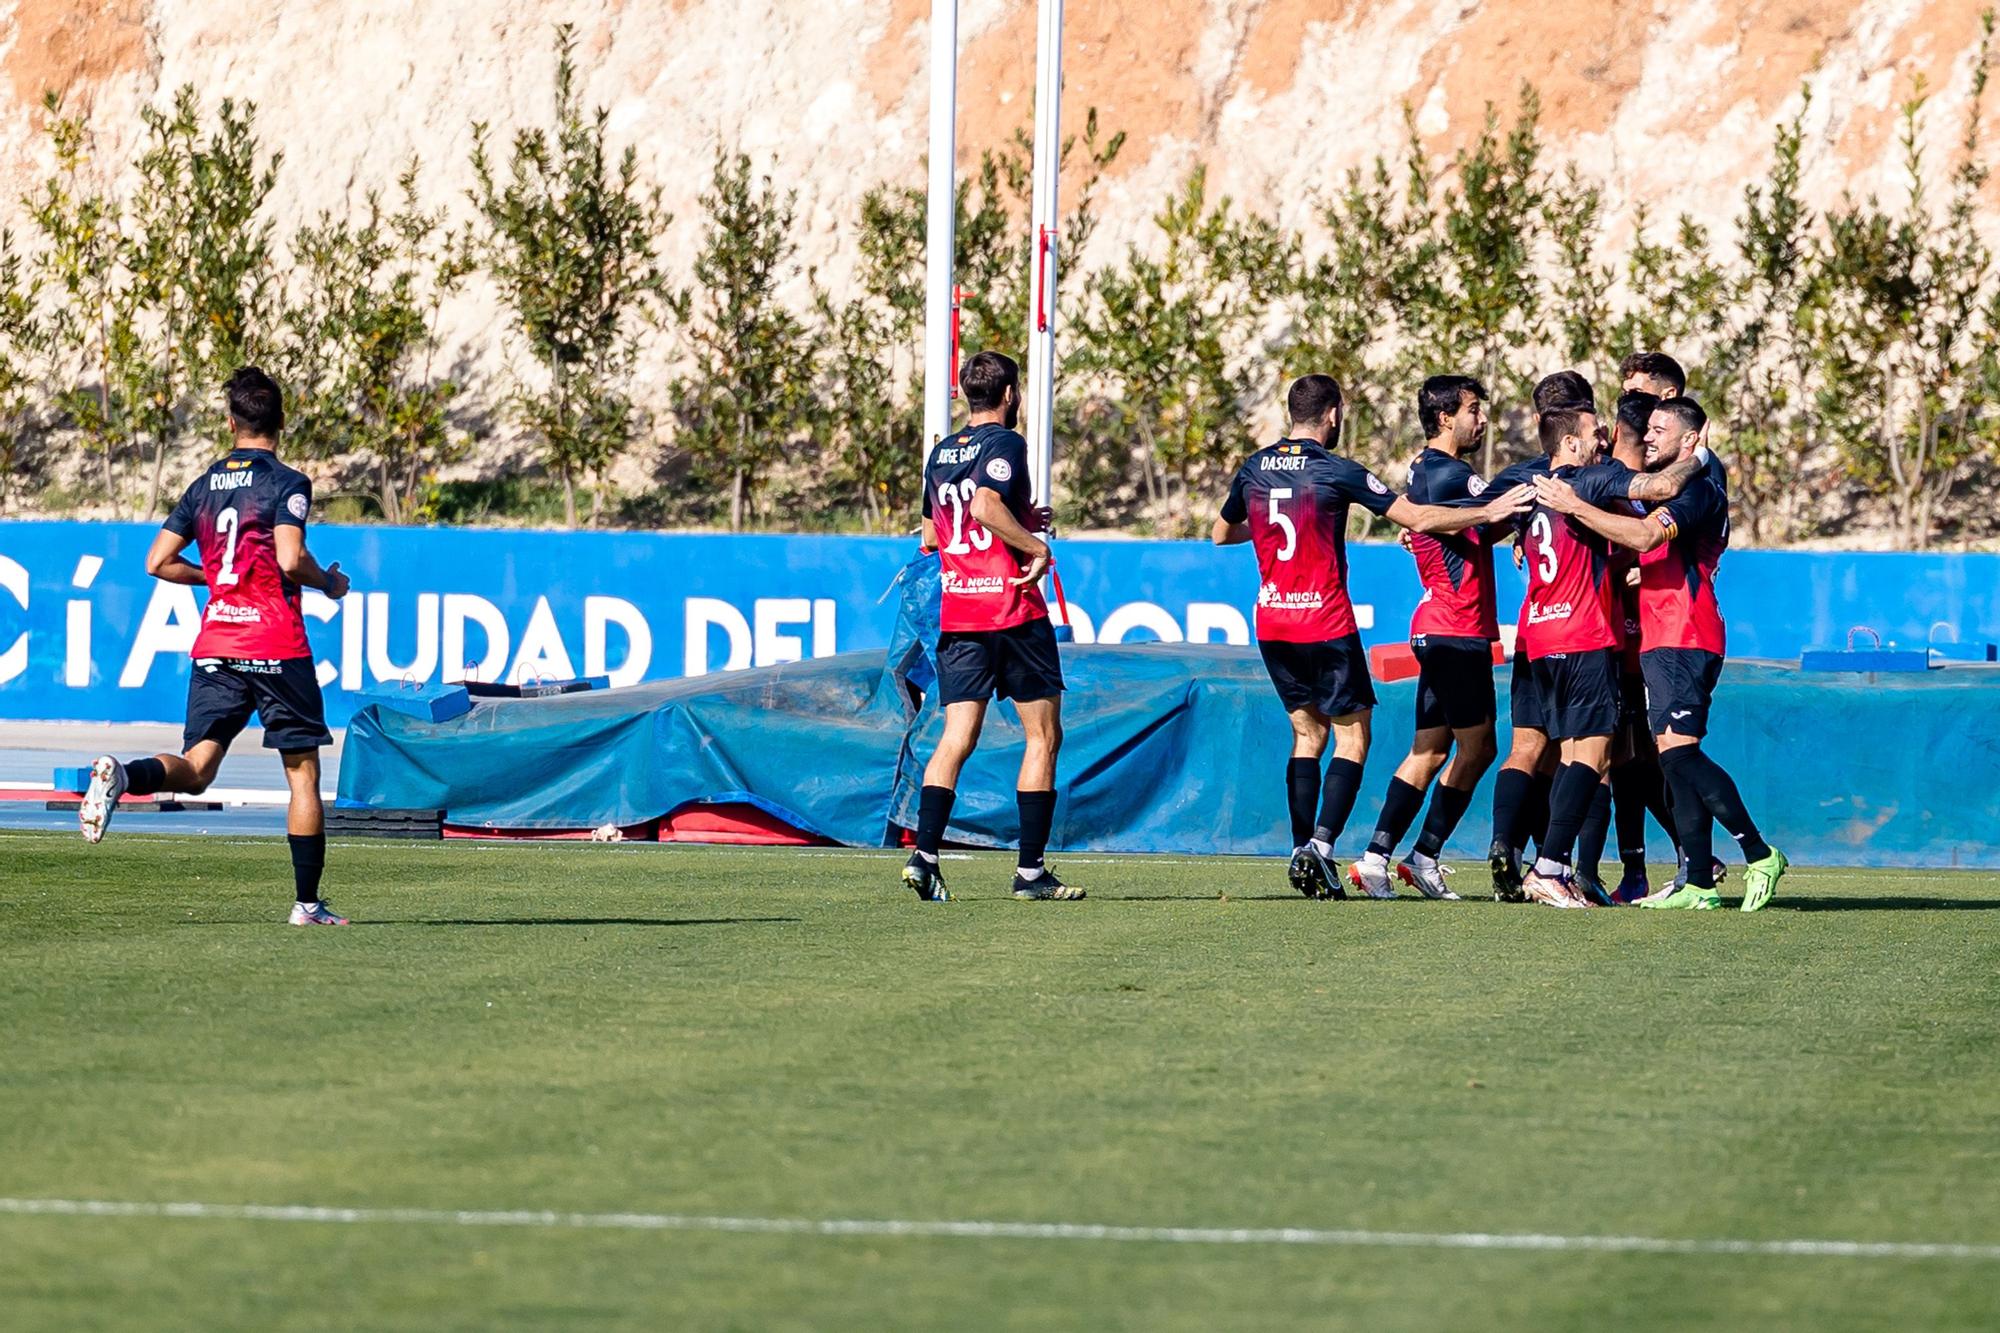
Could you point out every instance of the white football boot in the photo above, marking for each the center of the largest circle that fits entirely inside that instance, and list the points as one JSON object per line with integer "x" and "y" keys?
{"x": 100, "y": 799}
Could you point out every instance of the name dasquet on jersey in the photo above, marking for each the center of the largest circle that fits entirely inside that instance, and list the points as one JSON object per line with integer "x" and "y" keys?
{"x": 1282, "y": 463}
{"x": 230, "y": 481}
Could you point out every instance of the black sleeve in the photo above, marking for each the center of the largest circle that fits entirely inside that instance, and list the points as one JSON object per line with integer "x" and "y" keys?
{"x": 295, "y": 498}
{"x": 926, "y": 485}
{"x": 1004, "y": 470}
{"x": 1236, "y": 506}
{"x": 1694, "y": 509}
{"x": 181, "y": 521}
{"x": 1357, "y": 484}
{"x": 1602, "y": 483}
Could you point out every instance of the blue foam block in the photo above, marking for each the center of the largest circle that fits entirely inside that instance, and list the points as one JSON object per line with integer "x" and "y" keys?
{"x": 420, "y": 699}
{"x": 1864, "y": 659}
{"x": 72, "y": 779}
{"x": 1965, "y": 652}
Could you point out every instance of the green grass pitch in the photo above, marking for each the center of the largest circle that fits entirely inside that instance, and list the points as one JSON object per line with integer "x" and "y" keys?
{"x": 777, "y": 1034}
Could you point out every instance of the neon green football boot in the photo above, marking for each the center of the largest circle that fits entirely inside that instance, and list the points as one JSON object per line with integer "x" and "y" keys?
{"x": 1760, "y": 880}
{"x": 1686, "y": 898}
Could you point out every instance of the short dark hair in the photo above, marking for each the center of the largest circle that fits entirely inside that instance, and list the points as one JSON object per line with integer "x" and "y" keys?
{"x": 256, "y": 403}
{"x": 1687, "y": 409}
{"x": 1560, "y": 422}
{"x": 1312, "y": 397}
{"x": 1657, "y": 364}
{"x": 986, "y": 378}
{"x": 1564, "y": 389}
{"x": 1441, "y": 397}
{"x": 1635, "y": 410}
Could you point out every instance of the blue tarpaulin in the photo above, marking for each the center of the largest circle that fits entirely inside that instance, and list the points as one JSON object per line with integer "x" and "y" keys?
{"x": 1168, "y": 748}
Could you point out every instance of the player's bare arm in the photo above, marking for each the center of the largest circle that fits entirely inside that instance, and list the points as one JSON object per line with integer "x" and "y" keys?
{"x": 1436, "y": 519}
{"x": 1627, "y": 530}
{"x": 1231, "y": 534}
{"x": 991, "y": 513}
{"x": 166, "y": 562}
{"x": 1654, "y": 488}
{"x": 300, "y": 567}
{"x": 928, "y": 539}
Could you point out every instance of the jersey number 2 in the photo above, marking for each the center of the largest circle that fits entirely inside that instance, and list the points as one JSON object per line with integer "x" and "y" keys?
{"x": 966, "y": 535}
{"x": 226, "y": 524}
{"x": 1544, "y": 533}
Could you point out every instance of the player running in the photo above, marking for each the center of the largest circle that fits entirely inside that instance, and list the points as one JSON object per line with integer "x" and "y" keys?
{"x": 1291, "y": 500}
{"x": 1681, "y": 545}
{"x": 247, "y": 517}
{"x": 994, "y": 633}
{"x": 1452, "y": 633}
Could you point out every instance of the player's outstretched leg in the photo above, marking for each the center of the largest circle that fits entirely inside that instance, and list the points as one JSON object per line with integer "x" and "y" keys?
{"x": 305, "y": 830}
{"x": 100, "y": 799}
{"x": 1041, "y": 725}
{"x": 112, "y": 781}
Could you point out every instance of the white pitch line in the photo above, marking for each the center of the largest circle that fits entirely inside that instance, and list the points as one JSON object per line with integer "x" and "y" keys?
{"x": 985, "y": 1230}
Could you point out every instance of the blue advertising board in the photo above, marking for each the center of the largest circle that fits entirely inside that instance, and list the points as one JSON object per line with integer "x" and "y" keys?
{"x": 85, "y": 635}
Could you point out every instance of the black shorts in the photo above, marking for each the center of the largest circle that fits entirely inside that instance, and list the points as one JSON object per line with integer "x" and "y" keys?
{"x": 1454, "y": 682}
{"x": 1018, "y": 663}
{"x": 1330, "y": 676}
{"x": 223, "y": 693}
{"x": 1680, "y": 685}
{"x": 1526, "y": 697}
{"x": 1579, "y": 693}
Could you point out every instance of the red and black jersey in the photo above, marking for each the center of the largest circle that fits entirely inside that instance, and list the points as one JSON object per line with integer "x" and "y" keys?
{"x": 1677, "y": 605}
{"x": 977, "y": 569}
{"x": 1570, "y": 606}
{"x": 1456, "y": 569}
{"x": 1295, "y": 495}
{"x": 232, "y": 513}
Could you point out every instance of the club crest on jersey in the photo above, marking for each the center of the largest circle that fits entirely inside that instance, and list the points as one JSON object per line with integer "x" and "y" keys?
{"x": 1000, "y": 469}
{"x": 1375, "y": 485}
{"x": 1475, "y": 485}
{"x": 299, "y": 506}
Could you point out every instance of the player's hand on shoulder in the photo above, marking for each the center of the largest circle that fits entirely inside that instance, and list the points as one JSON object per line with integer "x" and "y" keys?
{"x": 336, "y": 582}
{"x": 1557, "y": 494}
{"x": 1515, "y": 500}
{"x": 1031, "y": 574}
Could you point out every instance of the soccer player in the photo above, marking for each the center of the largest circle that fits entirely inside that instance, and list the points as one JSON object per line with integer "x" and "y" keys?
{"x": 1652, "y": 372}
{"x": 1452, "y": 634}
{"x": 995, "y": 638}
{"x": 247, "y": 517}
{"x": 1681, "y": 545}
{"x": 1290, "y": 500}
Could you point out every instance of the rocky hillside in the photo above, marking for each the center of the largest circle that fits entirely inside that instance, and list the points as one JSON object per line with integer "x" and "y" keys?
{"x": 1671, "y": 105}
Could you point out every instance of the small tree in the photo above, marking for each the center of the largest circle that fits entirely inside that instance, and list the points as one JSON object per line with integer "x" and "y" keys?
{"x": 746, "y": 397}
{"x": 363, "y": 341}
{"x": 24, "y": 347}
{"x": 569, "y": 241}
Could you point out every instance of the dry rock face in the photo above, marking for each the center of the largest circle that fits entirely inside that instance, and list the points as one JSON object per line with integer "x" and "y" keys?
{"x": 1671, "y": 105}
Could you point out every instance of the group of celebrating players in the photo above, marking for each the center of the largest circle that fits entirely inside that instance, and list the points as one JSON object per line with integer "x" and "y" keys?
{"x": 1618, "y": 649}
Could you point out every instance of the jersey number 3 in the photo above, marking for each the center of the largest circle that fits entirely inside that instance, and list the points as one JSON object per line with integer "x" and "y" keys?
{"x": 1543, "y": 531}
{"x": 966, "y": 535}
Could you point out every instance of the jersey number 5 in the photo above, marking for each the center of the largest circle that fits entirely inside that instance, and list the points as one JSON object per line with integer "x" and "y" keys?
{"x": 226, "y": 524}
{"x": 966, "y": 535}
{"x": 1278, "y": 518}
{"x": 1543, "y": 531}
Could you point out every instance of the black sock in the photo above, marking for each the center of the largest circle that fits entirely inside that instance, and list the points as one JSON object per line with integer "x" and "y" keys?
{"x": 1302, "y": 797}
{"x": 1399, "y": 811}
{"x": 1537, "y": 810}
{"x": 1510, "y": 793}
{"x": 308, "y": 860}
{"x": 1038, "y": 812}
{"x": 1570, "y": 795}
{"x": 1448, "y": 806}
{"x": 1596, "y": 824}
{"x": 1718, "y": 792}
{"x": 1694, "y": 824}
{"x": 1336, "y": 798}
{"x": 1660, "y": 802}
{"x": 1628, "y": 802}
{"x": 144, "y": 777}
{"x": 933, "y": 813}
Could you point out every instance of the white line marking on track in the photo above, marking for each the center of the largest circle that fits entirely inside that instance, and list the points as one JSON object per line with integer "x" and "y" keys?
{"x": 987, "y": 1230}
